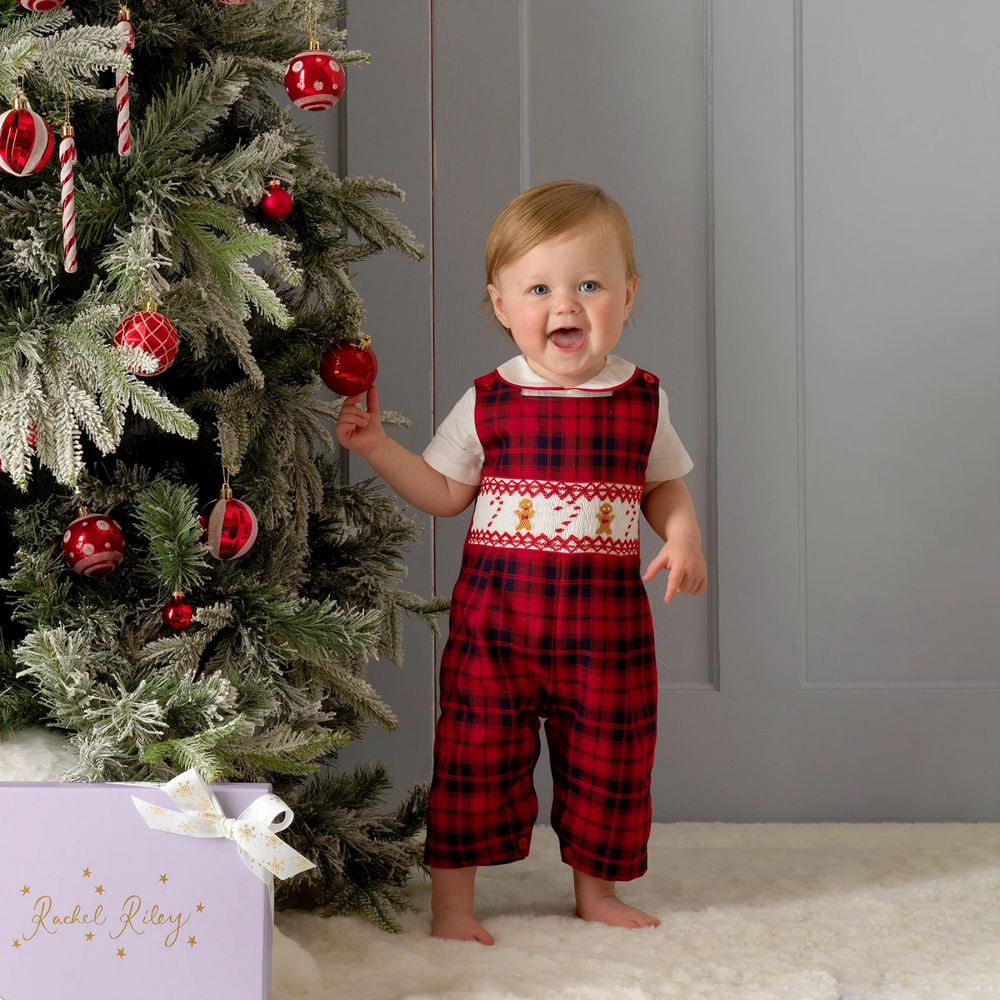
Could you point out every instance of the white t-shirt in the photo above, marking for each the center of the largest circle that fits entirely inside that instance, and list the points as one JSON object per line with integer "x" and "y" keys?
{"x": 456, "y": 452}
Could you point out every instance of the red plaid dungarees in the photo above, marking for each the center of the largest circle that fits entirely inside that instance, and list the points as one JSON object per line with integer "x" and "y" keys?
{"x": 549, "y": 617}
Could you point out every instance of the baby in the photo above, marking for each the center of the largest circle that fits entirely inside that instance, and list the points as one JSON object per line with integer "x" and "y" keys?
{"x": 561, "y": 448}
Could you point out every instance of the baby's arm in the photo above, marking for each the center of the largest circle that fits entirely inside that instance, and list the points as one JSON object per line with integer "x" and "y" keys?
{"x": 408, "y": 474}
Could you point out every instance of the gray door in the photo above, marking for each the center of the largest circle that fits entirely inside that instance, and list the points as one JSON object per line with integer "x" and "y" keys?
{"x": 813, "y": 191}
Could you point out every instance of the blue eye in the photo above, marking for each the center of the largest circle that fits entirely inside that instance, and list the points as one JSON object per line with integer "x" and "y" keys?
{"x": 536, "y": 287}
{"x": 594, "y": 283}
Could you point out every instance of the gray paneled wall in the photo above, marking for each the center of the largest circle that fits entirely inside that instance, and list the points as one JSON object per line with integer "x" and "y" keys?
{"x": 812, "y": 189}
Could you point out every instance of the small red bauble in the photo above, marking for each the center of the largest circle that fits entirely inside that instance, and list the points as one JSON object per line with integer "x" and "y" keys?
{"x": 315, "y": 80}
{"x": 177, "y": 613}
{"x": 230, "y": 526}
{"x": 26, "y": 141}
{"x": 94, "y": 544}
{"x": 40, "y": 5}
{"x": 151, "y": 332}
{"x": 277, "y": 203}
{"x": 349, "y": 368}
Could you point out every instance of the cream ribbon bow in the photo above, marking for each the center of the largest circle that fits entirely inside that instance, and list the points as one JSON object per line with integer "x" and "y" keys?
{"x": 254, "y": 830}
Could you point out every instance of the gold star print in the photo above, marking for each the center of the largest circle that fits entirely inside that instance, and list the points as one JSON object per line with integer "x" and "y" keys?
{"x": 90, "y": 935}
{"x": 192, "y": 942}
{"x": 25, "y": 890}
{"x": 86, "y": 873}
{"x": 121, "y": 952}
{"x": 164, "y": 879}
{"x": 200, "y": 908}
{"x": 99, "y": 889}
{"x": 17, "y": 944}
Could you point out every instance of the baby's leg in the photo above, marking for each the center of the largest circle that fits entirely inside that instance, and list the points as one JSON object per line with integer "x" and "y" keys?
{"x": 451, "y": 905}
{"x": 596, "y": 900}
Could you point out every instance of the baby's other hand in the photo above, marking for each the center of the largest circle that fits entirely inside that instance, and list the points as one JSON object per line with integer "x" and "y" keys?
{"x": 360, "y": 429}
{"x": 688, "y": 572}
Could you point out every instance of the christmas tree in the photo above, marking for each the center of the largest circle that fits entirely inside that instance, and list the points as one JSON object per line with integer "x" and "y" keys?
{"x": 162, "y": 324}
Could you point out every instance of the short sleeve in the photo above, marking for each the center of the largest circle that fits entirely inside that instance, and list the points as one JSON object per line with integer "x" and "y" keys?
{"x": 668, "y": 458}
{"x": 455, "y": 450}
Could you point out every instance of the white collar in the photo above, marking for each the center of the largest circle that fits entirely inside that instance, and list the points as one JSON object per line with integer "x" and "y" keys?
{"x": 616, "y": 372}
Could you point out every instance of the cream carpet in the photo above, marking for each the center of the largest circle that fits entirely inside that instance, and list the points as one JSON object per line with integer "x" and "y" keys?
{"x": 762, "y": 911}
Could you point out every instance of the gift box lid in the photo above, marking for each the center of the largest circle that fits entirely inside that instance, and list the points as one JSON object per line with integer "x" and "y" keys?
{"x": 96, "y": 905}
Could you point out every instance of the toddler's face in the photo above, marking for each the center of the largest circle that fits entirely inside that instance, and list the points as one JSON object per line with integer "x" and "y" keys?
{"x": 565, "y": 302}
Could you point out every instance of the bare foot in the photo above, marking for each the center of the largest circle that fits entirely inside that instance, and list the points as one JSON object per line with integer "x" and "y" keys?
{"x": 611, "y": 910}
{"x": 458, "y": 924}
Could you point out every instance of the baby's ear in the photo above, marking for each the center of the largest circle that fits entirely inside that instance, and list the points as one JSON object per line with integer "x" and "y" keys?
{"x": 631, "y": 286}
{"x": 498, "y": 308}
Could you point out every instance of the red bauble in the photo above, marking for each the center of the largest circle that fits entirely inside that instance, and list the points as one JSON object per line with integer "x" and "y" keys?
{"x": 349, "y": 368}
{"x": 38, "y": 5}
{"x": 230, "y": 527}
{"x": 26, "y": 141}
{"x": 94, "y": 544}
{"x": 177, "y": 613}
{"x": 277, "y": 203}
{"x": 315, "y": 80}
{"x": 153, "y": 333}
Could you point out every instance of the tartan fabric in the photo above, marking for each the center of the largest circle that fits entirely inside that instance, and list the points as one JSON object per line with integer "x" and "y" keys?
{"x": 562, "y": 634}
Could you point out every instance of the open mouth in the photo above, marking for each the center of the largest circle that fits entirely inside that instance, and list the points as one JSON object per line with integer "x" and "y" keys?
{"x": 568, "y": 338}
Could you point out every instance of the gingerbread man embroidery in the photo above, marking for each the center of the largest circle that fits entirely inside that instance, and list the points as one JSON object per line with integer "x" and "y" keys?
{"x": 604, "y": 518}
{"x": 524, "y": 513}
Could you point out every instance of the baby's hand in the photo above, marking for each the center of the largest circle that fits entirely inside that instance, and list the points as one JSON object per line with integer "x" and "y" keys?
{"x": 688, "y": 570}
{"x": 358, "y": 429}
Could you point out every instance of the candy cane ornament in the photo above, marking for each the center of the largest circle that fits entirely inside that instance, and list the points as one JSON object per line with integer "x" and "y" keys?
{"x": 125, "y": 43}
{"x": 67, "y": 157}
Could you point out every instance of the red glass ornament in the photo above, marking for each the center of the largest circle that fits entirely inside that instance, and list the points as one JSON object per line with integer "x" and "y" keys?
{"x": 93, "y": 544}
{"x": 151, "y": 332}
{"x": 315, "y": 80}
{"x": 177, "y": 613}
{"x": 39, "y": 5}
{"x": 349, "y": 368}
{"x": 26, "y": 140}
{"x": 277, "y": 203}
{"x": 230, "y": 526}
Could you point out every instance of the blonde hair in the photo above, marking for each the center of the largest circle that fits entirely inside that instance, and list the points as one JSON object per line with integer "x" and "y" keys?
{"x": 545, "y": 212}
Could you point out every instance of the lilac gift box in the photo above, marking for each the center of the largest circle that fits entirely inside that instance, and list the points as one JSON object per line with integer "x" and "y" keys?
{"x": 95, "y": 905}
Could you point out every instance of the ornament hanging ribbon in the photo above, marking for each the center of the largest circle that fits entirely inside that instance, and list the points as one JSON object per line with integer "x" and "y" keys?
{"x": 254, "y": 830}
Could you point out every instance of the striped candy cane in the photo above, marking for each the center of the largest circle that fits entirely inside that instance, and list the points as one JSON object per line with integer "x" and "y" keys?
{"x": 67, "y": 157}
{"x": 125, "y": 43}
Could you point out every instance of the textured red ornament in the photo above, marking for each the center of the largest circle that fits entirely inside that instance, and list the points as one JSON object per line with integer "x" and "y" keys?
{"x": 177, "y": 613}
{"x": 315, "y": 80}
{"x": 93, "y": 544}
{"x": 26, "y": 141}
{"x": 277, "y": 203}
{"x": 153, "y": 333}
{"x": 349, "y": 368}
{"x": 230, "y": 527}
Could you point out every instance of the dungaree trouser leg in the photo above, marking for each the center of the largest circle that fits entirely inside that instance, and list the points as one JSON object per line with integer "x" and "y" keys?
{"x": 549, "y": 618}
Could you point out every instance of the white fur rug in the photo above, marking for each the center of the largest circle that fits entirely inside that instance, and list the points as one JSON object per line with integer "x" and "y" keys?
{"x": 770, "y": 911}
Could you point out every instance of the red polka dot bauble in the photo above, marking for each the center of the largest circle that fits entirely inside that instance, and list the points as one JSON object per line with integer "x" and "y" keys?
{"x": 25, "y": 140}
{"x": 349, "y": 368}
{"x": 40, "y": 5}
{"x": 230, "y": 527}
{"x": 315, "y": 80}
{"x": 277, "y": 203}
{"x": 151, "y": 332}
{"x": 93, "y": 544}
{"x": 177, "y": 613}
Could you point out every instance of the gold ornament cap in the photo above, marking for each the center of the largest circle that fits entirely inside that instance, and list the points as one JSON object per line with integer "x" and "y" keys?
{"x": 124, "y": 14}
{"x": 226, "y": 493}
{"x": 21, "y": 103}
{"x": 67, "y": 131}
